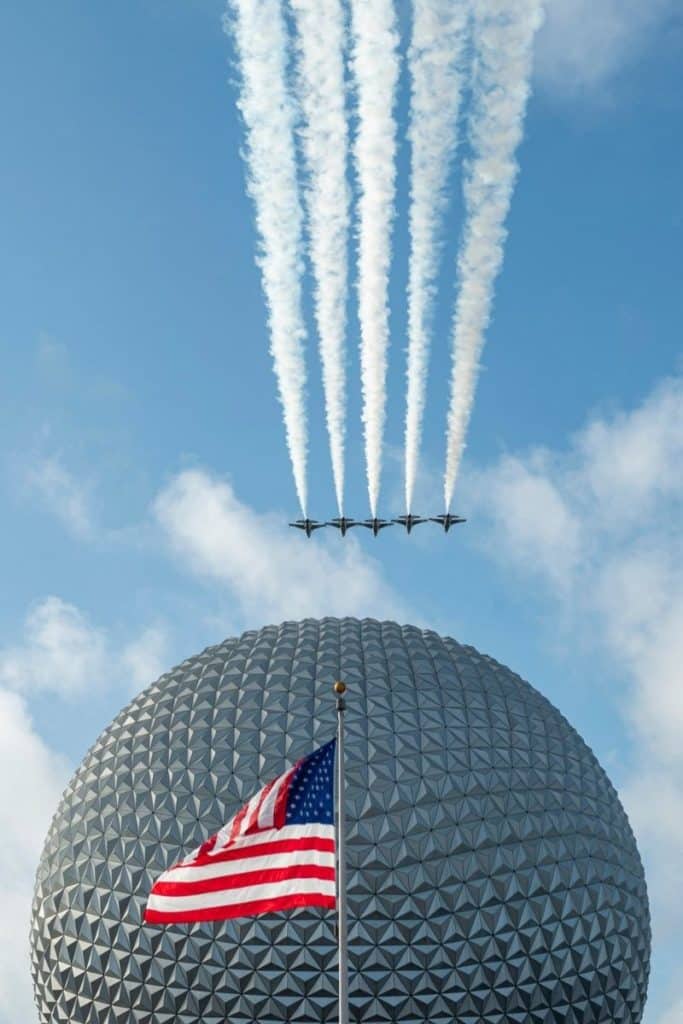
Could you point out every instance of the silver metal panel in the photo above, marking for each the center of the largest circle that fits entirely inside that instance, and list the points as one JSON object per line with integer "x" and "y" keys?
{"x": 493, "y": 875}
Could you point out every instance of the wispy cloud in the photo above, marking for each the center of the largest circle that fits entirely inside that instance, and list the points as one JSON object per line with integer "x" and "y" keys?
{"x": 674, "y": 1015}
{"x": 66, "y": 496}
{"x": 62, "y": 652}
{"x": 145, "y": 658}
{"x": 270, "y": 572}
{"x": 32, "y": 778}
{"x": 599, "y": 525}
{"x": 584, "y": 45}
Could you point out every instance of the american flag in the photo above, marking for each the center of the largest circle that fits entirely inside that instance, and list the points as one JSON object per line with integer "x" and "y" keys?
{"x": 277, "y": 852}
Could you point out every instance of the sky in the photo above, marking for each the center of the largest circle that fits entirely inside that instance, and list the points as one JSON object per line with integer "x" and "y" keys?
{"x": 144, "y": 480}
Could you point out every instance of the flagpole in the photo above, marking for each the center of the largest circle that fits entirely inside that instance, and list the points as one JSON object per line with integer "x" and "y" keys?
{"x": 340, "y": 690}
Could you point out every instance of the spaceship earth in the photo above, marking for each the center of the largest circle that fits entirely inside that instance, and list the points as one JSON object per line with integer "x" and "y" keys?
{"x": 493, "y": 875}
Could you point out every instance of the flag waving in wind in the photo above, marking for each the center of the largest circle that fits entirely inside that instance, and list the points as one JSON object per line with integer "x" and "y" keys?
{"x": 278, "y": 852}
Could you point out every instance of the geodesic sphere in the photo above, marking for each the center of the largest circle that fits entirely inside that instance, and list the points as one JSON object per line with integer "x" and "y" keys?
{"x": 493, "y": 876}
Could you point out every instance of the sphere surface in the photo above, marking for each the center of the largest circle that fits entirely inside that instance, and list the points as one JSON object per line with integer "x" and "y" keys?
{"x": 492, "y": 872}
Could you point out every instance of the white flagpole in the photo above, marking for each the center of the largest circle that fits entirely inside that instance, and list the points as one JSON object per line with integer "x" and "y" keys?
{"x": 340, "y": 690}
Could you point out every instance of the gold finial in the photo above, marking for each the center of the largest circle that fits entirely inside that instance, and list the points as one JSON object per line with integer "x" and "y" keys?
{"x": 339, "y": 687}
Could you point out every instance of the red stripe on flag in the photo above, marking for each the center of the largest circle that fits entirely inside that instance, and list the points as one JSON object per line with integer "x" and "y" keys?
{"x": 237, "y": 823}
{"x": 249, "y": 909}
{"x": 238, "y": 851}
{"x": 242, "y": 880}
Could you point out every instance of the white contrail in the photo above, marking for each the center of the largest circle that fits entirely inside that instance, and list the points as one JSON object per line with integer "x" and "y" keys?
{"x": 376, "y": 70}
{"x": 320, "y": 25}
{"x": 436, "y": 54}
{"x": 261, "y": 39}
{"x": 503, "y": 34}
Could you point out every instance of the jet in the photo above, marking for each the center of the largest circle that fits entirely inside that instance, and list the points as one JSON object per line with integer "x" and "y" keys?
{"x": 307, "y": 525}
{"x": 343, "y": 524}
{"x": 409, "y": 521}
{"x": 376, "y": 524}
{"x": 447, "y": 520}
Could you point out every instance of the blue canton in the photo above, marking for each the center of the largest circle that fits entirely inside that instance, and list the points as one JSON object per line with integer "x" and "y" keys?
{"x": 311, "y": 791}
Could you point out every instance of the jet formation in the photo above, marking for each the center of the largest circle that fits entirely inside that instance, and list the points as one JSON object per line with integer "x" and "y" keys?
{"x": 408, "y": 522}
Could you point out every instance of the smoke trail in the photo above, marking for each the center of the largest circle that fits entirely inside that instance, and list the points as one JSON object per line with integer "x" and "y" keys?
{"x": 438, "y": 42}
{"x": 503, "y": 39}
{"x": 376, "y": 68}
{"x": 320, "y": 25}
{"x": 260, "y": 35}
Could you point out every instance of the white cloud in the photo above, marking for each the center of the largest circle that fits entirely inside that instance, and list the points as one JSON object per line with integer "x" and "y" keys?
{"x": 654, "y": 802}
{"x": 632, "y": 463}
{"x": 23, "y": 825}
{"x": 674, "y": 1015}
{"x": 585, "y": 44}
{"x": 61, "y": 651}
{"x": 146, "y": 657}
{"x": 540, "y": 529}
{"x": 639, "y": 596}
{"x": 601, "y": 525}
{"x": 272, "y": 572}
{"x": 66, "y": 496}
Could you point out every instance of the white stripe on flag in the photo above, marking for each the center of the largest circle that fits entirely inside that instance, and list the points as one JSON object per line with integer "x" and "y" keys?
{"x": 233, "y": 829}
{"x": 198, "y": 873}
{"x": 228, "y": 897}
{"x": 251, "y": 814}
{"x": 222, "y": 836}
{"x": 266, "y": 818}
{"x": 276, "y": 835}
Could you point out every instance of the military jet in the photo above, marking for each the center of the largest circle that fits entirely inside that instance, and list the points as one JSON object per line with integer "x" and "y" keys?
{"x": 343, "y": 524}
{"x": 376, "y": 524}
{"x": 409, "y": 521}
{"x": 307, "y": 525}
{"x": 447, "y": 520}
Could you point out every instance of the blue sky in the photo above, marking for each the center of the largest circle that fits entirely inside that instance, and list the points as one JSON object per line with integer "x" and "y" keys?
{"x": 139, "y": 412}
